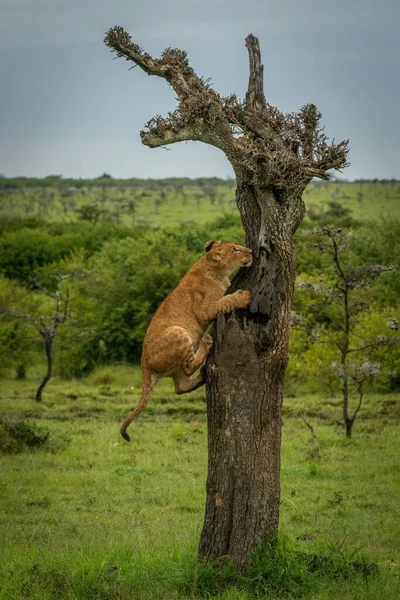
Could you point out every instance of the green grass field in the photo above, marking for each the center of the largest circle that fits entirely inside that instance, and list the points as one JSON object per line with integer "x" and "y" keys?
{"x": 88, "y": 516}
{"x": 167, "y": 204}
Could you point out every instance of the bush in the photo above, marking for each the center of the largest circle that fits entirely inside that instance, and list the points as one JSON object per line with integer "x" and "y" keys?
{"x": 25, "y": 251}
{"x": 18, "y": 436}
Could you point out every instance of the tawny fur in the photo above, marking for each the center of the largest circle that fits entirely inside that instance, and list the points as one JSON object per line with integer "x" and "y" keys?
{"x": 176, "y": 344}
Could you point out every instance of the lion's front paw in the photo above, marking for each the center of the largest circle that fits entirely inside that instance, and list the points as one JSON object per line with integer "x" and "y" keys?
{"x": 243, "y": 298}
{"x": 207, "y": 341}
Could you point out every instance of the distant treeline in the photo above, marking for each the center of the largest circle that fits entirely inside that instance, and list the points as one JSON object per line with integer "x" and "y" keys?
{"x": 105, "y": 179}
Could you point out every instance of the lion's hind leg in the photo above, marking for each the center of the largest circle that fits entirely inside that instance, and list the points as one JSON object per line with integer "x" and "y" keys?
{"x": 173, "y": 355}
{"x": 191, "y": 361}
{"x": 185, "y": 384}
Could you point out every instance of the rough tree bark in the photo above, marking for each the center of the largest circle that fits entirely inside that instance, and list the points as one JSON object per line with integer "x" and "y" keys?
{"x": 274, "y": 157}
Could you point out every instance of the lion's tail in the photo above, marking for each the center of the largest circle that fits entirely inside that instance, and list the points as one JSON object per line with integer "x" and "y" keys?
{"x": 148, "y": 379}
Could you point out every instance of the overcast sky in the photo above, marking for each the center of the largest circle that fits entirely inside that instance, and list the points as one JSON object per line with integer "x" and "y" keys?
{"x": 67, "y": 108}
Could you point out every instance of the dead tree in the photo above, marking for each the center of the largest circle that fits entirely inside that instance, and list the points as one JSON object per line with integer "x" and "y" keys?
{"x": 274, "y": 157}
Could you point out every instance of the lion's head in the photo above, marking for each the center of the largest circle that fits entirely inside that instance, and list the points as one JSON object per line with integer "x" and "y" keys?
{"x": 228, "y": 255}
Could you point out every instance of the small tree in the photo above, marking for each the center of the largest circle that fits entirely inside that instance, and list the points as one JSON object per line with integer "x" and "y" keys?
{"x": 48, "y": 325}
{"x": 92, "y": 213}
{"x": 346, "y": 296}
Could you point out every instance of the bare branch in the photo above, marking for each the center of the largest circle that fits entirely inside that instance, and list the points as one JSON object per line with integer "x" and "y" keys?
{"x": 176, "y": 128}
{"x": 157, "y": 139}
{"x": 200, "y": 116}
{"x": 255, "y": 98}
{"x": 316, "y": 172}
{"x": 332, "y": 156}
{"x": 259, "y": 126}
{"x": 310, "y": 117}
{"x": 330, "y": 337}
{"x": 16, "y": 314}
{"x": 378, "y": 342}
{"x": 121, "y": 43}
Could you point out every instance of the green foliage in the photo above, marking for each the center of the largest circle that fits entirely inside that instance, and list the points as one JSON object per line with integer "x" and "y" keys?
{"x": 227, "y": 227}
{"x": 92, "y": 213}
{"x": 19, "y": 435}
{"x": 377, "y": 242}
{"x": 18, "y": 349}
{"x": 132, "y": 264}
{"x": 309, "y": 368}
{"x": 10, "y": 224}
{"x": 373, "y": 324}
{"x": 24, "y": 252}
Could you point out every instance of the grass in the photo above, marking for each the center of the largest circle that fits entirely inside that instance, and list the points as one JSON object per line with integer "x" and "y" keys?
{"x": 163, "y": 204}
{"x": 88, "y": 516}
{"x": 84, "y": 515}
{"x": 367, "y": 199}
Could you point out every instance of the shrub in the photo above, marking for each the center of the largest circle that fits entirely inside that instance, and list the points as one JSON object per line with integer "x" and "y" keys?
{"x": 19, "y": 435}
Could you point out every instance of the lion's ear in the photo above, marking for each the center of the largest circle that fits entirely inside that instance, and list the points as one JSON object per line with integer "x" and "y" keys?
{"x": 208, "y": 245}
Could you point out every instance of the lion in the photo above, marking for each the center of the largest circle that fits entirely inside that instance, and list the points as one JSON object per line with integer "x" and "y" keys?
{"x": 176, "y": 343}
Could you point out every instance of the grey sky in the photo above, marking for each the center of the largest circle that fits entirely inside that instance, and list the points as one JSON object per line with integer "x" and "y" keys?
{"x": 67, "y": 108}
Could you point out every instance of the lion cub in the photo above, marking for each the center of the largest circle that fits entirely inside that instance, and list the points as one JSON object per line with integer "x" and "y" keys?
{"x": 175, "y": 344}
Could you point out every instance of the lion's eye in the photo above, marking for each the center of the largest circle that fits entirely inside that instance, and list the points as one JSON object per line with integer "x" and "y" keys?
{"x": 236, "y": 249}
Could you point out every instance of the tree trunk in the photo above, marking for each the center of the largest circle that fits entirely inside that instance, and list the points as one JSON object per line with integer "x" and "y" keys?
{"x": 349, "y": 427}
{"x": 245, "y": 377}
{"x": 244, "y": 400}
{"x": 345, "y": 396}
{"x": 48, "y": 347}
